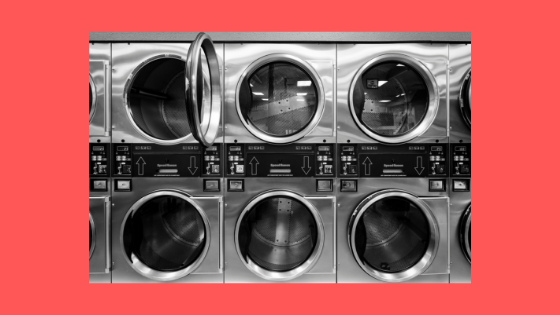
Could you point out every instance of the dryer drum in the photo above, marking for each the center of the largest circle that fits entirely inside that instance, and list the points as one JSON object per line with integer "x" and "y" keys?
{"x": 465, "y": 98}
{"x": 392, "y": 235}
{"x": 92, "y": 98}
{"x": 91, "y": 236}
{"x": 390, "y": 99}
{"x": 278, "y": 234}
{"x": 166, "y": 234}
{"x": 156, "y": 97}
{"x": 279, "y": 99}
{"x": 465, "y": 234}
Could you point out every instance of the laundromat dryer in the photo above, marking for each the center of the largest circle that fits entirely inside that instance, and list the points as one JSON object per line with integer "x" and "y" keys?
{"x": 280, "y": 145}
{"x": 99, "y": 162}
{"x": 393, "y": 164}
{"x": 167, "y": 162}
{"x": 460, "y": 78}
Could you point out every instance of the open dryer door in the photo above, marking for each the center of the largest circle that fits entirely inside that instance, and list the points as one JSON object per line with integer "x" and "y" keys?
{"x": 203, "y": 90}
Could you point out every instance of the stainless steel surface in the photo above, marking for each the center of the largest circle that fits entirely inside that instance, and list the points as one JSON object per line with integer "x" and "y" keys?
{"x": 437, "y": 203}
{"x": 460, "y": 265}
{"x": 466, "y": 88}
{"x": 92, "y": 228}
{"x": 156, "y": 275}
{"x": 205, "y": 128}
{"x": 433, "y": 105}
{"x": 460, "y": 68}
{"x": 428, "y": 257}
{"x": 314, "y": 77}
{"x": 93, "y": 101}
{"x": 99, "y": 214}
{"x": 465, "y": 230}
{"x": 210, "y": 269}
{"x": 322, "y": 270}
{"x": 126, "y": 60}
{"x": 298, "y": 271}
{"x": 351, "y": 37}
{"x": 352, "y": 57}
{"x": 240, "y": 60}
{"x": 99, "y": 63}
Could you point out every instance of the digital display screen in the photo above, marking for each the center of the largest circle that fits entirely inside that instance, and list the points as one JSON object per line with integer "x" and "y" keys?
{"x": 98, "y": 148}
{"x": 437, "y": 148}
{"x": 122, "y": 149}
{"x": 235, "y": 148}
{"x": 460, "y": 149}
{"x": 213, "y": 148}
{"x": 324, "y": 148}
{"x": 348, "y": 149}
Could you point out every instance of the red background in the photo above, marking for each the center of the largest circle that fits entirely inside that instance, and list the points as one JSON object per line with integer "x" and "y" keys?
{"x": 44, "y": 135}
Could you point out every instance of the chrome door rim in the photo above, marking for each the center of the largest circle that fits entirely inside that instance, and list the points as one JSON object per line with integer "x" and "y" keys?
{"x": 433, "y": 90}
{"x": 466, "y": 81}
{"x": 298, "y": 271}
{"x": 93, "y": 98}
{"x": 464, "y": 232}
{"x": 157, "y": 275}
{"x": 206, "y": 131}
{"x": 430, "y": 253}
{"x": 126, "y": 100}
{"x": 309, "y": 70}
{"x": 92, "y": 224}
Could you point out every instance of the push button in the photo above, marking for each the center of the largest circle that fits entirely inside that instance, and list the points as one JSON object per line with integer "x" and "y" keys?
{"x": 99, "y": 185}
{"x": 240, "y": 168}
{"x": 324, "y": 185}
{"x": 348, "y": 185}
{"x": 215, "y": 169}
{"x": 437, "y": 185}
{"x": 235, "y": 185}
{"x": 122, "y": 185}
{"x": 211, "y": 185}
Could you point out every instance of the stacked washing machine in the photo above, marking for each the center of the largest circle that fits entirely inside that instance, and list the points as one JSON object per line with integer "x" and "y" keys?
{"x": 279, "y": 162}
{"x": 99, "y": 162}
{"x": 460, "y": 142}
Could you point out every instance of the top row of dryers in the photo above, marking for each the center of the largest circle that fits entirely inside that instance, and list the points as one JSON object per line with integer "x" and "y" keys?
{"x": 175, "y": 93}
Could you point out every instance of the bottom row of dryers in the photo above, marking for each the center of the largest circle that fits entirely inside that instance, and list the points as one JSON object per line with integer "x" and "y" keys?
{"x": 352, "y": 228}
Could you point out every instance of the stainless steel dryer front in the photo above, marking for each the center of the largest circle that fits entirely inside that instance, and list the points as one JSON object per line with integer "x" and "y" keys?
{"x": 391, "y": 230}
{"x": 99, "y": 238}
{"x": 99, "y": 90}
{"x": 460, "y": 78}
{"x": 279, "y": 93}
{"x": 167, "y": 93}
{"x": 167, "y": 231}
{"x": 392, "y": 93}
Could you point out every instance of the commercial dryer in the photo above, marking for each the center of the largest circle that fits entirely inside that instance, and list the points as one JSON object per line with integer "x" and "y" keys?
{"x": 280, "y": 147}
{"x": 460, "y": 78}
{"x": 393, "y": 205}
{"x": 167, "y": 162}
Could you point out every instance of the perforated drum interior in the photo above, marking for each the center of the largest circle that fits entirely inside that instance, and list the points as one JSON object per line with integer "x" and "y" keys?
{"x": 390, "y": 99}
{"x": 279, "y": 99}
{"x": 156, "y": 97}
{"x": 278, "y": 234}
{"x": 166, "y": 234}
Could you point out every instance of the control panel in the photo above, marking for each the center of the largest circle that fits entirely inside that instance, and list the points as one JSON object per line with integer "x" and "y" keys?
{"x": 461, "y": 155}
{"x": 99, "y": 159}
{"x": 295, "y": 160}
{"x": 150, "y": 160}
{"x": 378, "y": 160}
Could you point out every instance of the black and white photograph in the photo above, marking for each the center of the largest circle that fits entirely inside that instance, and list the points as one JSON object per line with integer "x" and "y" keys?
{"x": 280, "y": 157}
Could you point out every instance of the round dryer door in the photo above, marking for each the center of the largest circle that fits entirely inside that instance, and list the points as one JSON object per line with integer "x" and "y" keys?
{"x": 465, "y": 234}
{"x": 394, "y": 98}
{"x": 280, "y": 98}
{"x": 393, "y": 236}
{"x": 279, "y": 236}
{"x": 92, "y": 98}
{"x": 169, "y": 99}
{"x": 165, "y": 236}
{"x": 91, "y": 236}
{"x": 465, "y": 98}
